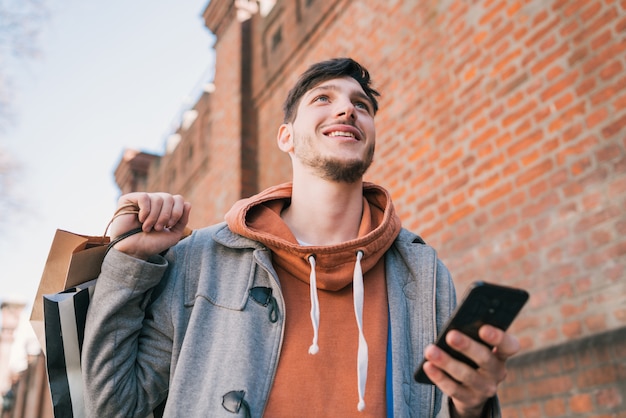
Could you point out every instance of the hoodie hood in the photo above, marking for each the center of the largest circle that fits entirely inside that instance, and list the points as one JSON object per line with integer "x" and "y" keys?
{"x": 258, "y": 218}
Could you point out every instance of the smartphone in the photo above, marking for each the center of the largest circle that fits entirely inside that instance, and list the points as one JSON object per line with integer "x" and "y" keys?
{"x": 483, "y": 303}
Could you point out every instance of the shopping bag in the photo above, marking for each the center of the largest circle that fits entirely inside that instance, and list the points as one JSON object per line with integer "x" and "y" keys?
{"x": 65, "y": 314}
{"x": 60, "y": 309}
{"x": 73, "y": 259}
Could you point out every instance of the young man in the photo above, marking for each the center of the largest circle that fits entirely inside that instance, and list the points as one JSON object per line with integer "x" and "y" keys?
{"x": 309, "y": 294}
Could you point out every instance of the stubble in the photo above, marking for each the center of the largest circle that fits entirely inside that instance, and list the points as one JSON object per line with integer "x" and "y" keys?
{"x": 330, "y": 168}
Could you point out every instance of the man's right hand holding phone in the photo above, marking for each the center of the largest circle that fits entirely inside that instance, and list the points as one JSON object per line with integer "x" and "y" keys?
{"x": 469, "y": 389}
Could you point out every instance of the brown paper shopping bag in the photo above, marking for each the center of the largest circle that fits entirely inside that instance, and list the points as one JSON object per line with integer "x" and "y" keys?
{"x": 73, "y": 259}
{"x": 60, "y": 309}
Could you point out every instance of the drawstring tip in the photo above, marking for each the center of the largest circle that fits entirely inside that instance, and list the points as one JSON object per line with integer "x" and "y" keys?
{"x": 361, "y": 405}
{"x": 313, "y": 349}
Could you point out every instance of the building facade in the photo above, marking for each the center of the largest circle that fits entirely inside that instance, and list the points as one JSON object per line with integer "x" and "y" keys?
{"x": 25, "y": 393}
{"x": 501, "y": 137}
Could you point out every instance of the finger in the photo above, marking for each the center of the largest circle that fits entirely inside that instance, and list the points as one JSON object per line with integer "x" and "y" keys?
{"x": 478, "y": 352}
{"x": 438, "y": 376}
{"x": 459, "y": 380}
{"x": 164, "y": 218}
{"x": 125, "y": 216}
{"x": 505, "y": 345}
{"x": 184, "y": 218}
{"x": 435, "y": 364}
{"x": 457, "y": 370}
{"x": 490, "y": 362}
{"x": 144, "y": 204}
{"x": 491, "y": 335}
{"x": 445, "y": 373}
{"x": 178, "y": 208}
{"x": 455, "y": 391}
{"x": 148, "y": 213}
{"x": 152, "y": 215}
{"x": 172, "y": 210}
{"x": 130, "y": 202}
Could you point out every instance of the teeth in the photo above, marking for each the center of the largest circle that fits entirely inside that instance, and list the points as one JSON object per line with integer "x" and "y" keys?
{"x": 341, "y": 133}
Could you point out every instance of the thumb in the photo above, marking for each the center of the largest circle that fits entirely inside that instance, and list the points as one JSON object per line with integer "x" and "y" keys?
{"x": 181, "y": 225}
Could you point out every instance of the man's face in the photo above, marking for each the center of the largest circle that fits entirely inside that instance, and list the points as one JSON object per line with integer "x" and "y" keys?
{"x": 333, "y": 132}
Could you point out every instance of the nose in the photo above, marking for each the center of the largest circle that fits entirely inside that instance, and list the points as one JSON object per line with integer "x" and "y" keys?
{"x": 346, "y": 109}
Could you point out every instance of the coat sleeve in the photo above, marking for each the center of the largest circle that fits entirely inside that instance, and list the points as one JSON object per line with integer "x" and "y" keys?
{"x": 125, "y": 356}
{"x": 492, "y": 408}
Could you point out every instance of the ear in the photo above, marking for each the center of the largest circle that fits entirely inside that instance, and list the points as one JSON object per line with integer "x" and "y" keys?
{"x": 285, "y": 137}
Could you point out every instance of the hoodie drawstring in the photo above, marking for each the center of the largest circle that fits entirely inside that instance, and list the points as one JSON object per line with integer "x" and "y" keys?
{"x": 362, "y": 357}
{"x": 315, "y": 307}
{"x": 358, "y": 293}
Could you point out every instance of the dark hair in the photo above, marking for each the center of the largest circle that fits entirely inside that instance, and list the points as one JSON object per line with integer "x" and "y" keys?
{"x": 323, "y": 71}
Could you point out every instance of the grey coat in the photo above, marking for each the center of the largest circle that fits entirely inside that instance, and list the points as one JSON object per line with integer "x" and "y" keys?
{"x": 187, "y": 327}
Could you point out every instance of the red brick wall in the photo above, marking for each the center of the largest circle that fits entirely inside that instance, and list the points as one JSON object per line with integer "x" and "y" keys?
{"x": 501, "y": 137}
{"x": 206, "y": 165}
{"x": 583, "y": 378}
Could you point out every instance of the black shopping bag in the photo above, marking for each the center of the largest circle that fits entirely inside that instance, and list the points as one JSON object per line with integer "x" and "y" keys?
{"x": 64, "y": 318}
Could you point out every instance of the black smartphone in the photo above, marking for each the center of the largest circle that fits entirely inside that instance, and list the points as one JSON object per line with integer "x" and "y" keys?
{"x": 483, "y": 303}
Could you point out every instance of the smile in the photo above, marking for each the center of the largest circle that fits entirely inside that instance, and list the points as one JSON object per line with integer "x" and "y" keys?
{"x": 341, "y": 133}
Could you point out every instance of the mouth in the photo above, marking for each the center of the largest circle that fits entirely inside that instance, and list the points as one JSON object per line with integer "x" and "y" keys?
{"x": 343, "y": 131}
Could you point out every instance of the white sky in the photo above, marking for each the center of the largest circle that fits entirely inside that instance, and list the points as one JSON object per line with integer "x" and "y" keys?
{"x": 111, "y": 75}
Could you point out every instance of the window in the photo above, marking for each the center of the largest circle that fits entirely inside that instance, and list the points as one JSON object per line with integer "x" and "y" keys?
{"x": 277, "y": 38}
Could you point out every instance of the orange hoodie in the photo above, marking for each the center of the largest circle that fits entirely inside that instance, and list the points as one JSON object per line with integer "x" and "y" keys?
{"x": 332, "y": 381}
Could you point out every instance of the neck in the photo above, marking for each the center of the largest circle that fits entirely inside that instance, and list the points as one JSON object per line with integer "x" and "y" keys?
{"x": 324, "y": 212}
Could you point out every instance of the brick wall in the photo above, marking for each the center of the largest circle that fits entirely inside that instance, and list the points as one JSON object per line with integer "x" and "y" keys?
{"x": 501, "y": 137}
{"x": 583, "y": 378}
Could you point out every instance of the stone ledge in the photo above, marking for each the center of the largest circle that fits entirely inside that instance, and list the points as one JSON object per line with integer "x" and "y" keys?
{"x": 578, "y": 345}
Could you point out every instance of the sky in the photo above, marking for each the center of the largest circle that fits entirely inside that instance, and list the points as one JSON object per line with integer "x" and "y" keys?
{"x": 111, "y": 75}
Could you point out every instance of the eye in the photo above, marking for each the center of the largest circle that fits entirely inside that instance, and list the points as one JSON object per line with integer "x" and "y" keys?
{"x": 363, "y": 105}
{"x": 321, "y": 98}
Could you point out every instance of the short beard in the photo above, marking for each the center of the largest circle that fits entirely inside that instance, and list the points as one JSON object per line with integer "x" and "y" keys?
{"x": 341, "y": 171}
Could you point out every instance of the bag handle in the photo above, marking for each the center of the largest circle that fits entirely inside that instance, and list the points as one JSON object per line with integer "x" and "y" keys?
{"x": 121, "y": 237}
{"x": 127, "y": 209}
